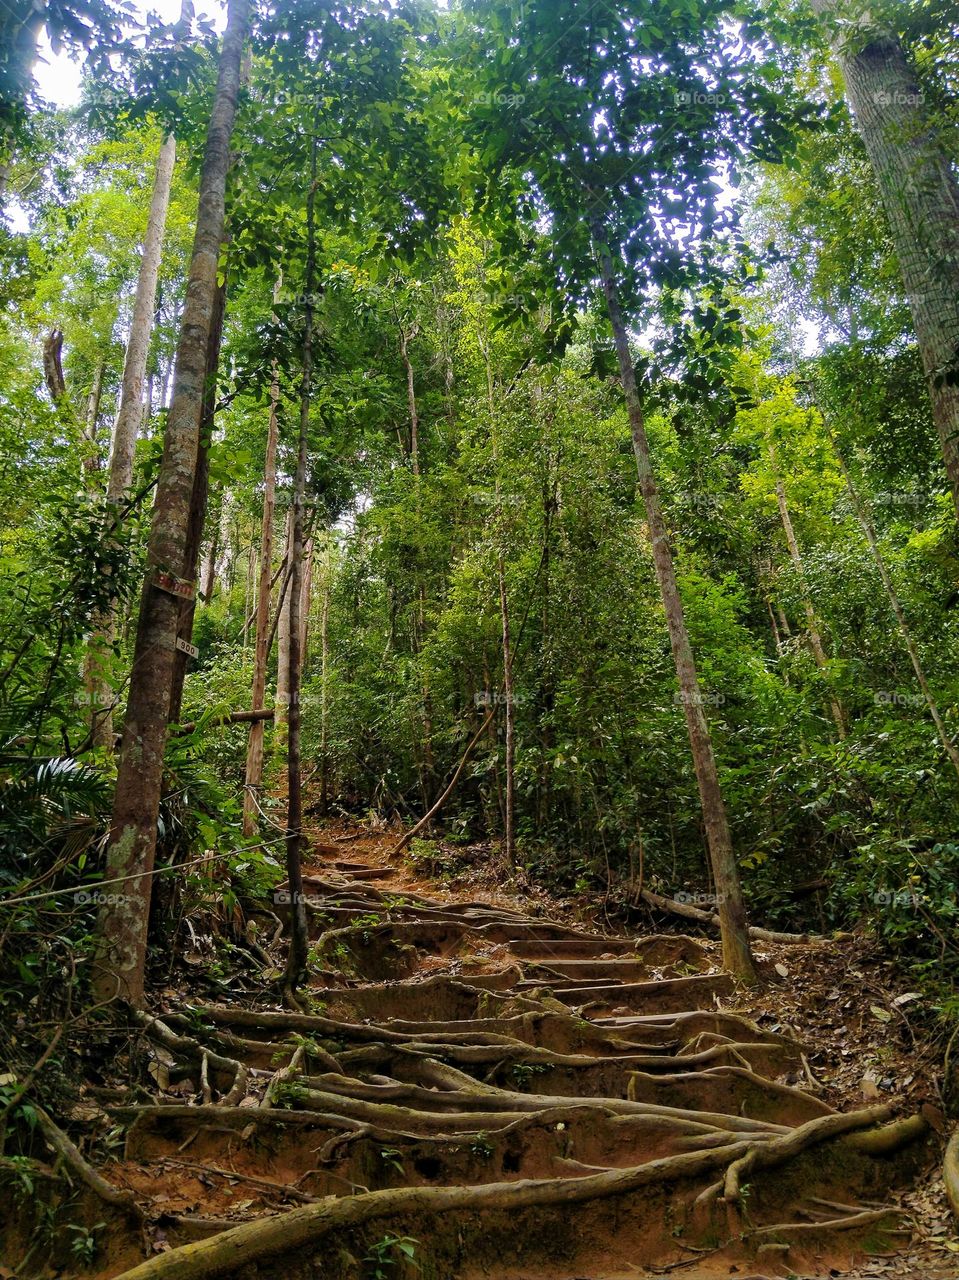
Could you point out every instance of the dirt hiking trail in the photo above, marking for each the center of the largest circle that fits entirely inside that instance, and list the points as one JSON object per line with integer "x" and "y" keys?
{"x": 480, "y": 1091}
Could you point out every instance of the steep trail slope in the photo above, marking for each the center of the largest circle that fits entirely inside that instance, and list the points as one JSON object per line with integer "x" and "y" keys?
{"x": 479, "y": 1091}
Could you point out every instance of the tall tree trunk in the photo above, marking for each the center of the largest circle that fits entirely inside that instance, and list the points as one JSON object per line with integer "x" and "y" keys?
{"x": 324, "y": 675}
{"x": 405, "y": 336}
{"x": 120, "y": 955}
{"x": 737, "y": 956}
{"x": 917, "y": 183}
{"x": 96, "y": 687}
{"x": 97, "y": 661}
{"x": 220, "y": 539}
{"x": 306, "y": 596}
{"x": 198, "y": 502}
{"x": 812, "y": 622}
{"x": 282, "y": 701}
{"x": 777, "y": 638}
{"x": 130, "y": 410}
{"x": 509, "y": 817}
{"x": 296, "y": 959}
{"x": 249, "y": 595}
{"x": 208, "y": 574}
{"x": 254, "y": 751}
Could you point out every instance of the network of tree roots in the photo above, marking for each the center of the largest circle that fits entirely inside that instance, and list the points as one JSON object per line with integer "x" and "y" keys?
{"x": 481, "y": 1092}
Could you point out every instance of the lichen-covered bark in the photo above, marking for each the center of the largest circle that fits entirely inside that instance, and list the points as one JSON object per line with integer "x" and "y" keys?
{"x": 920, "y": 194}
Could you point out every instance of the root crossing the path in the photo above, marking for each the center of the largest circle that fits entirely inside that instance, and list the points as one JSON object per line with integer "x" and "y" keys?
{"x": 478, "y": 1092}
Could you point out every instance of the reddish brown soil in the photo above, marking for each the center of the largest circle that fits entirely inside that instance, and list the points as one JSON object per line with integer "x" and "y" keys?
{"x": 471, "y": 1034}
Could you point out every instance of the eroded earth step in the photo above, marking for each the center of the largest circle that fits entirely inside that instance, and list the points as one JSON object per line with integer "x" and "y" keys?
{"x": 522, "y": 1099}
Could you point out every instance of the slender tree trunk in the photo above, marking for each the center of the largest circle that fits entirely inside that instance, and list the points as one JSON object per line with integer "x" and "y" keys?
{"x": 777, "y": 639}
{"x": 737, "y": 956}
{"x": 917, "y": 183}
{"x": 212, "y": 557}
{"x": 812, "y": 622}
{"x": 411, "y": 398}
{"x": 284, "y": 576}
{"x": 254, "y": 751}
{"x": 97, "y": 661}
{"x": 306, "y": 604}
{"x": 198, "y": 502}
{"x": 120, "y": 956}
{"x": 208, "y": 576}
{"x": 324, "y": 675}
{"x": 510, "y": 762}
{"x": 96, "y": 687}
{"x": 234, "y": 549}
{"x": 448, "y": 790}
{"x": 248, "y": 597}
{"x": 282, "y": 702}
{"x": 53, "y": 365}
{"x": 296, "y": 959}
{"x": 130, "y": 411}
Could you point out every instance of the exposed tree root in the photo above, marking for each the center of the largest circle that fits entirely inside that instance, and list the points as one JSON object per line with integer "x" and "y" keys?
{"x": 472, "y": 1065}
{"x": 891, "y": 1137}
{"x": 282, "y": 1076}
{"x": 280, "y": 1188}
{"x": 847, "y": 1223}
{"x": 269, "y": 1237}
{"x": 166, "y": 1036}
{"x": 82, "y": 1169}
{"x": 791, "y": 1144}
